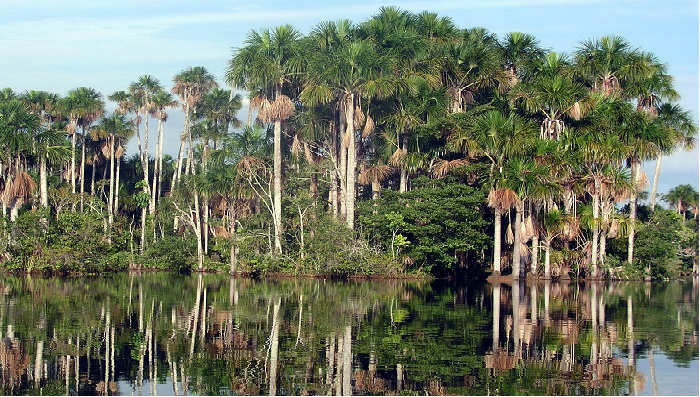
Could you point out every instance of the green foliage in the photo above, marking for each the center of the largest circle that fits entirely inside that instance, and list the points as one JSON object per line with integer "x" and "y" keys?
{"x": 434, "y": 227}
{"x": 171, "y": 252}
{"x": 660, "y": 243}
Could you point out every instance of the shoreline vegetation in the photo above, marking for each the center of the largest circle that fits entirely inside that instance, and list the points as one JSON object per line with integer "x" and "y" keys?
{"x": 402, "y": 146}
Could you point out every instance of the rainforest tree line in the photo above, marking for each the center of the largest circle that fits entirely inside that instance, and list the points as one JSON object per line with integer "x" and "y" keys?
{"x": 403, "y": 144}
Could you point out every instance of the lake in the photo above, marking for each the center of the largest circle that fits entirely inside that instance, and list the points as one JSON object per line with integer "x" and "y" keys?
{"x": 171, "y": 334}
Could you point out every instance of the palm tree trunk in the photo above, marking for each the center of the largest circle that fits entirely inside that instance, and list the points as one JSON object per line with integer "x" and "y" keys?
{"x": 72, "y": 158}
{"x": 596, "y": 228}
{"x": 82, "y": 171}
{"x": 633, "y": 210}
{"x": 517, "y": 268}
{"x": 655, "y": 184}
{"x": 403, "y": 179}
{"x": 352, "y": 162}
{"x": 115, "y": 209}
{"x": 547, "y": 265}
{"x": 535, "y": 254}
{"x": 497, "y": 242}
{"x": 277, "y": 184}
{"x": 43, "y": 183}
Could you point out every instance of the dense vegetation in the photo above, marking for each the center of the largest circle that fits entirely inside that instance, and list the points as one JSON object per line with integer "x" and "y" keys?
{"x": 400, "y": 145}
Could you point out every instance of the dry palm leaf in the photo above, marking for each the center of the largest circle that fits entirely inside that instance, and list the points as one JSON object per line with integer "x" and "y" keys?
{"x": 282, "y": 108}
{"x": 374, "y": 173}
{"x": 358, "y": 118}
{"x": 523, "y": 232}
{"x": 21, "y": 186}
{"x": 642, "y": 180}
{"x": 443, "y": 167}
{"x": 296, "y": 145}
{"x": 529, "y": 227}
{"x": 396, "y": 159}
{"x": 104, "y": 149}
{"x": 503, "y": 199}
{"x": 614, "y": 227}
{"x": 510, "y": 238}
{"x": 369, "y": 128}
{"x": 575, "y": 111}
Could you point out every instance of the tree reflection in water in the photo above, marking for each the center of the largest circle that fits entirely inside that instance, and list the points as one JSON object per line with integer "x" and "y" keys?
{"x": 210, "y": 334}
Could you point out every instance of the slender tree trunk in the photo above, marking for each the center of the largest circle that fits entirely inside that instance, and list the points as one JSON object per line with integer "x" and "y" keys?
{"x": 198, "y": 233}
{"x": 497, "y": 242}
{"x": 633, "y": 211}
{"x": 72, "y": 158}
{"x": 110, "y": 197}
{"x": 115, "y": 209}
{"x": 43, "y": 183}
{"x": 596, "y": 231}
{"x": 517, "y": 268}
{"x": 82, "y": 171}
{"x": 352, "y": 162}
{"x": 277, "y": 179}
{"x": 92, "y": 177}
{"x": 535, "y": 254}
{"x": 403, "y": 178}
{"x": 655, "y": 184}
{"x": 547, "y": 265}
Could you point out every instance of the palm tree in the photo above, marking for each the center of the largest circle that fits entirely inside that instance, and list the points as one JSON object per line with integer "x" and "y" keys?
{"x": 551, "y": 95}
{"x": 471, "y": 63}
{"x": 521, "y": 54}
{"x": 682, "y": 197}
{"x": 17, "y": 125}
{"x": 190, "y": 85}
{"x": 267, "y": 65}
{"x": 143, "y": 90}
{"x": 83, "y": 106}
{"x": 119, "y": 130}
{"x": 610, "y": 65}
{"x": 161, "y": 101}
{"x": 498, "y": 138}
{"x": 348, "y": 73}
{"x": 680, "y": 125}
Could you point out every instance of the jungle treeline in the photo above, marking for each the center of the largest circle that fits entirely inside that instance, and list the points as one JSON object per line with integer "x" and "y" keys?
{"x": 403, "y": 145}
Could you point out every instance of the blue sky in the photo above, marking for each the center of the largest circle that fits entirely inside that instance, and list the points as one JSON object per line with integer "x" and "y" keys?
{"x": 60, "y": 45}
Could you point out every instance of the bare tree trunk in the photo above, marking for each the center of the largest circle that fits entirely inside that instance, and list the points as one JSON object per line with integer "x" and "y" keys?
{"x": 277, "y": 184}
{"x": 43, "y": 183}
{"x": 655, "y": 184}
{"x": 633, "y": 211}
{"x": 352, "y": 162}
{"x": 517, "y": 271}
{"x": 497, "y": 241}
{"x": 596, "y": 231}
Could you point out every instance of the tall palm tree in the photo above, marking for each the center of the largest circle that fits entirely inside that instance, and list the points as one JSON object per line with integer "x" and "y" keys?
{"x": 190, "y": 85}
{"x": 610, "y": 65}
{"x": 498, "y": 138}
{"x": 143, "y": 90}
{"x": 352, "y": 71}
{"x": 267, "y": 65}
{"x": 161, "y": 101}
{"x": 83, "y": 106}
{"x": 471, "y": 63}
{"x": 521, "y": 54}
{"x": 551, "y": 95}
{"x": 680, "y": 125}
{"x": 17, "y": 125}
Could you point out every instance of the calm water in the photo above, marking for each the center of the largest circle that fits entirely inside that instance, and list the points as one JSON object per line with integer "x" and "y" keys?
{"x": 166, "y": 334}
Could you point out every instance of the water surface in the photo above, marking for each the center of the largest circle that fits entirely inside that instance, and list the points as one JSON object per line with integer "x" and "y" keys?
{"x": 168, "y": 334}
